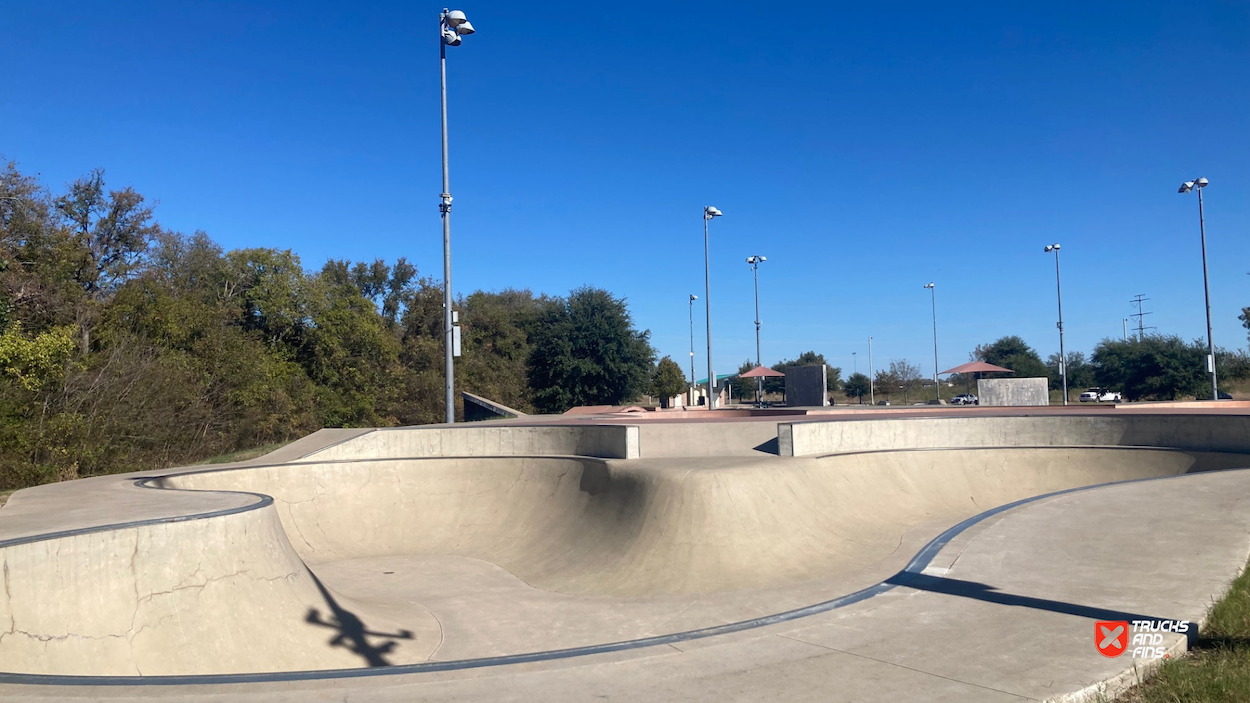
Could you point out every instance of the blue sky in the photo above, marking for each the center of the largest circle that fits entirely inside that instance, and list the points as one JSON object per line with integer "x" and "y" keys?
{"x": 864, "y": 148}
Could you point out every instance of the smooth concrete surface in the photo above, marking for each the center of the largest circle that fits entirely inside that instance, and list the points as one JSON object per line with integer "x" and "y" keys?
{"x": 486, "y": 439}
{"x": 953, "y": 429}
{"x": 362, "y": 561}
{"x": 665, "y": 526}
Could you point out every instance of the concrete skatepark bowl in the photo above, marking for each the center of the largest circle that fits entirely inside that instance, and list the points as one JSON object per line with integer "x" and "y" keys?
{"x": 411, "y": 552}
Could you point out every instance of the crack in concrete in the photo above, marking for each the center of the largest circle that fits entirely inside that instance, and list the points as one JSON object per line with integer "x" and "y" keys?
{"x": 8, "y": 597}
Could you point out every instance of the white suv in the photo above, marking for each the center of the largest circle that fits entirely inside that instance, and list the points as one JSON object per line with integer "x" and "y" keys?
{"x": 1101, "y": 395}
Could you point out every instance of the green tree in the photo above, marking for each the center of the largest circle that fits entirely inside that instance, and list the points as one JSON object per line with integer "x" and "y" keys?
{"x": 1013, "y": 353}
{"x": 907, "y": 375}
{"x": 1159, "y": 367}
{"x": 587, "y": 352}
{"x": 1080, "y": 372}
{"x": 887, "y": 383}
{"x": 1232, "y": 365}
{"x": 667, "y": 381}
{"x": 744, "y": 388}
{"x": 496, "y": 329}
{"x": 833, "y": 374}
{"x": 110, "y": 232}
{"x": 857, "y": 386}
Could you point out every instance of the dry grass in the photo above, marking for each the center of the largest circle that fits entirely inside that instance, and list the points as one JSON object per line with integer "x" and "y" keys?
{"x": 1217, "y": 670}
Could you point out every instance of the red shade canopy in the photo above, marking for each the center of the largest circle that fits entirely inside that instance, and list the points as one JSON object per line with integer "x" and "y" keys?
{"x": 760, "y": 372}
{"x": 976, "y": 367}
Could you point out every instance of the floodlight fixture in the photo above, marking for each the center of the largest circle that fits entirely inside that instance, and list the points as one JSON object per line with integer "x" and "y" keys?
{"x": 709, "y": 212}
{"x": 928, "y": 285}
{"x": 1185, "y": 187}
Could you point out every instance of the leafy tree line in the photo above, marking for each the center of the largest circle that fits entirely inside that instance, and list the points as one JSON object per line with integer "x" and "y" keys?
{"x": 1157, "y": 367}
{"x": 125, "y": 346}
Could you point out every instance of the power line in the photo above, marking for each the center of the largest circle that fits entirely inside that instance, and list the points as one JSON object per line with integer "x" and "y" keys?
{"x": 1141, "y": 314}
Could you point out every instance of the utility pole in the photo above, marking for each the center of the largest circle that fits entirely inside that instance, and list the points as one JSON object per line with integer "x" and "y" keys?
{"x": 693, "y": 298}
{"x": 872, "y": 391}
{"x": 1140, "y": 315}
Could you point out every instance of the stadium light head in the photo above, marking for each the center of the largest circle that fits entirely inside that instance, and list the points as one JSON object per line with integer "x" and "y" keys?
{"x": 1051, "y": 247}
{"x": 709, "y": 212}
{"x": 1200, "y": 183}
{"x": 929, "y": 285}
{"x": 454, "y": 18}
{"x": 1186, "y": 187}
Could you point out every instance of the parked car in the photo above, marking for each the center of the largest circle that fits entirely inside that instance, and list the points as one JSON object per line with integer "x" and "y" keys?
{"x": 965, "y": 399}
{"x": 1225, "y": 396}
{"x": 1101, "y": 395}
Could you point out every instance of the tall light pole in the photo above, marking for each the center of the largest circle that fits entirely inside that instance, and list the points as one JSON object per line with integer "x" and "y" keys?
{"x": 872, "y": 383}
{"x": 1187, "y": 186}
{"x": 755, "y": 260}
{"x": 708, "y": 213}
{"x": 693, "y": 298}
{"x": 1063, "y": 360}
{"x": 933, "y": 301}
{"x": 1126, "y": 329}
{"x": 452, "y": 25}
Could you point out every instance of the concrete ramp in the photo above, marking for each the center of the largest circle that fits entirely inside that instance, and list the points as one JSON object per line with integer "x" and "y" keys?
{"x": 361, "y": 549}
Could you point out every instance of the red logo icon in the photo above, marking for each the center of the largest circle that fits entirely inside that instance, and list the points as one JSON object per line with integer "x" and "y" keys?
{"x": 1111, "y": 638}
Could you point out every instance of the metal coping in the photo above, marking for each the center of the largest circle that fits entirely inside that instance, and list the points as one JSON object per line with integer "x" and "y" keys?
{"x": 917, "y": 564}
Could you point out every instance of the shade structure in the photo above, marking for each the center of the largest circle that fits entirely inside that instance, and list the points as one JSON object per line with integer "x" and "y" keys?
{"x": 761, "y": 372}
{"x": 976, "y": 367}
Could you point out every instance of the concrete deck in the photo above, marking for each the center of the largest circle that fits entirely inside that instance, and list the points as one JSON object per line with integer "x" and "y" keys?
{"x": 651, "y": 577}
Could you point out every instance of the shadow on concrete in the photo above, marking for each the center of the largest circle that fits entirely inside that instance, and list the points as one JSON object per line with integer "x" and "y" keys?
{"x": 351, "y": 631}
{"x": 989, "y": 594}
{"x": 769, "y": 447}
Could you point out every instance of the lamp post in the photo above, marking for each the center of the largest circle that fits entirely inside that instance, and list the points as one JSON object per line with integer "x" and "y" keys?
{"x": 1126, "y": 329}
{"x": 755, "y": 260}
{"x": 872, "y": 389}
{"x": 708, "y": 213}
{"x": 1186, "y": 187}
{"x": 1063, "y": 360}
{"x": 452, "y": 25}
{"x": 933, "y": 301}
{"x": 693, "y": 298}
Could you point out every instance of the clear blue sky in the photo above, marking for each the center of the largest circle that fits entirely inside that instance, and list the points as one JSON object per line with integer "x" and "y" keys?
{"x": 864, "y": 148}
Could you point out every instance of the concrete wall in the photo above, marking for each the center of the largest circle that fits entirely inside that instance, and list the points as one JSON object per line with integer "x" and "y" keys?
{"x": 1198, "y": 432}
{"x": 603, "y": 441}
{"x": 1004, "y": 392}
{"x": 806, "y": 386}
{"x": 677, "y": 439}
{"x": 215, "y": 595}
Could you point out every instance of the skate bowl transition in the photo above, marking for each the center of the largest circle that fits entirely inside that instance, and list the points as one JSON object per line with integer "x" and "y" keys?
{"x": 435, "y": 548}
